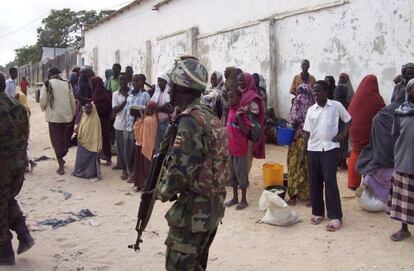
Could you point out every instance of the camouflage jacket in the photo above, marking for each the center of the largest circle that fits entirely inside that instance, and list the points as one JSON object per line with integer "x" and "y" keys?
{"x": 192, "y": 211}
{"x": 14, "y": 126}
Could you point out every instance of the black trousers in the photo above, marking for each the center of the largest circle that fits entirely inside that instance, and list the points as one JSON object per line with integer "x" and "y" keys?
{"x": 322, "y": 169}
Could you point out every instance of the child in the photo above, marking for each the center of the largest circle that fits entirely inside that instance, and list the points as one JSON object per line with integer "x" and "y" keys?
{"x": 402, "y": 194}
{"x": 138, "y": 97}
{"x": 238, "y": 127}
{"x": 322, "y": 138}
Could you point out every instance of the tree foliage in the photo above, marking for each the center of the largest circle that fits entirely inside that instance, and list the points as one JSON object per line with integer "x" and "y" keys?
{"x": 27, "y": 54}
{"x": 60, "y": 29}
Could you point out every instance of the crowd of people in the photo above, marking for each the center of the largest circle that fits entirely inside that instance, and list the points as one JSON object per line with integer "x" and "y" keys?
{"x": 125, "y": 115}
{"x": 379, "y": 159}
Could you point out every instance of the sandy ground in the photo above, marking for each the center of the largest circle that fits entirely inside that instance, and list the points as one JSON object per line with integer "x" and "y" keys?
{"x": 100, "y": 243}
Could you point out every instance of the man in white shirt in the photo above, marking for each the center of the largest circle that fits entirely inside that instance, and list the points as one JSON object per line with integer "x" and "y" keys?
{"x": 322, "y": 140}
{"x": 11, "y": 83}
{"x": 119, "y": 100}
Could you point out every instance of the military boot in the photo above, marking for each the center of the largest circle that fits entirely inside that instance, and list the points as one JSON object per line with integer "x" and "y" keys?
{"x": 25, "y": 239}
{"x": 6, "y": 253}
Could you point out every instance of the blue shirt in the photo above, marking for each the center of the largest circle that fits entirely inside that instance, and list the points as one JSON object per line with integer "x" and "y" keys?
{"x": 140, "y": 98}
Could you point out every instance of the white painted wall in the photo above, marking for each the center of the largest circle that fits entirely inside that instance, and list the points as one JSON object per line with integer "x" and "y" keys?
{"x": 364, "y": 36}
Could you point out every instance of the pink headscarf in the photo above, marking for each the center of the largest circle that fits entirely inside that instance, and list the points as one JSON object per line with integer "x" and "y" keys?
{"x": 249, "y": 94}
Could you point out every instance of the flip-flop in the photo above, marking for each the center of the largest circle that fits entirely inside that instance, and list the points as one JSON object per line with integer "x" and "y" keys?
{"x": 400, "y": 235}
{"x": 316, "y": 220}
{"x": 334, "y": 225}
{"x": 241, "y": 206}
{"x": 231, "y": 203}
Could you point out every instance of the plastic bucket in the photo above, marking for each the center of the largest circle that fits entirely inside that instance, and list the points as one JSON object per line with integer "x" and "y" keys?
{"x": 272, "y": 174}
{"x": 285, "y": 135}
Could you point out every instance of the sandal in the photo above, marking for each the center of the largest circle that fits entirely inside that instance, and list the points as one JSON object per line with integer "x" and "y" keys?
{"x": 400, "y": 235}
{"x": 231, "y": 203}
{"x": 316, "y": 220}
{"x": 241, "y": 206}
{"x": 333, "y": 225}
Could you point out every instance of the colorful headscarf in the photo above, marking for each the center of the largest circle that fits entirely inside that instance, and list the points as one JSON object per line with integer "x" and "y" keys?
{"x": 249, "y": 94}
{"x": 301, "y": 103}
{"x": 367, "y": 102}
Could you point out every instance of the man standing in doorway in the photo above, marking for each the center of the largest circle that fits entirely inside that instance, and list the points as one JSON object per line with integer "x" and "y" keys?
{"x": 303, "y": 78}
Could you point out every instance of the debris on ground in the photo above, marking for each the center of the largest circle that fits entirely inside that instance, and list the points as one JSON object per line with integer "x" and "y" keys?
{"x": 57, "y": 223}
{"x": 42, "y": 158}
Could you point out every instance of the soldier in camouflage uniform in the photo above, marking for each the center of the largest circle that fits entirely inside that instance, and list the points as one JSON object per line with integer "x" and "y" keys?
{"x": 13, "y": 144}
{"x": 195, "y": 215}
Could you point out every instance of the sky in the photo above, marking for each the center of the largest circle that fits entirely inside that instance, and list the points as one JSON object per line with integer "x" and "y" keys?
{"x": 20, "y": 19}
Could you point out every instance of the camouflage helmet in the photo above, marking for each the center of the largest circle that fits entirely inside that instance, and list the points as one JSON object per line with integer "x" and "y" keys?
{"x": 188, "y": 72}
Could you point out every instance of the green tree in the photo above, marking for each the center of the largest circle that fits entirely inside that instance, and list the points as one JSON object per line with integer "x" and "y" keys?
{"x": 62, "y": 28}
{"x": 58, "y": 29}
{"x": 27, "y": 54}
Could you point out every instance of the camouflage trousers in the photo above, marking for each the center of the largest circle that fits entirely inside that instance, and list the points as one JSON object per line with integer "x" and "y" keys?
{"x": 11, "y": 181}
{"x": 188, "y": 251}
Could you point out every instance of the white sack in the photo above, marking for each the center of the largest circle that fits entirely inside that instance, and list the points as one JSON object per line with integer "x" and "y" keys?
{"x": 278, "y": 211}
{"x": 370, "y": 203}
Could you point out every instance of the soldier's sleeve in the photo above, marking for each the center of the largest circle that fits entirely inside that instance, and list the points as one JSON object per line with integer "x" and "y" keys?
{"x": 186, "y": 160}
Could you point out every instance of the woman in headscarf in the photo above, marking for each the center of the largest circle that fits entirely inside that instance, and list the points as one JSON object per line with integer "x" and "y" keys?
{"x": 215, "y": 97}
{"x": 298, "y": 183}
{"x": 164, "y": 109}
{"x": 261, "y": 87}
{"x": 376, "y": 161}
{"x": 252, "y": 103}
{"x": 331, "y": 83}
{"x": 366, "y": 103}
{"x": 102, "y": 99}
{"x": 84, "y": 94}
{"x": 344, "y": 79}
{"x": 401, "y": 204}
{"x": 89, "y": 144}
{"x": 340, "y": 95}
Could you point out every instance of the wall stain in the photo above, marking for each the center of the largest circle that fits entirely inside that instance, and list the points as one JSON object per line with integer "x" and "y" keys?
{"x": 379, "y": 45}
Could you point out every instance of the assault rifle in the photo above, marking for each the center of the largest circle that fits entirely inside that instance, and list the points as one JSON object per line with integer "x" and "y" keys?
{"x": 148, "y": 195}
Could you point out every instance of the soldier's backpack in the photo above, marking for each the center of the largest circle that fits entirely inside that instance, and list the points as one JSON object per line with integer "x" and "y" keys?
{"x": 215, "y": 171}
